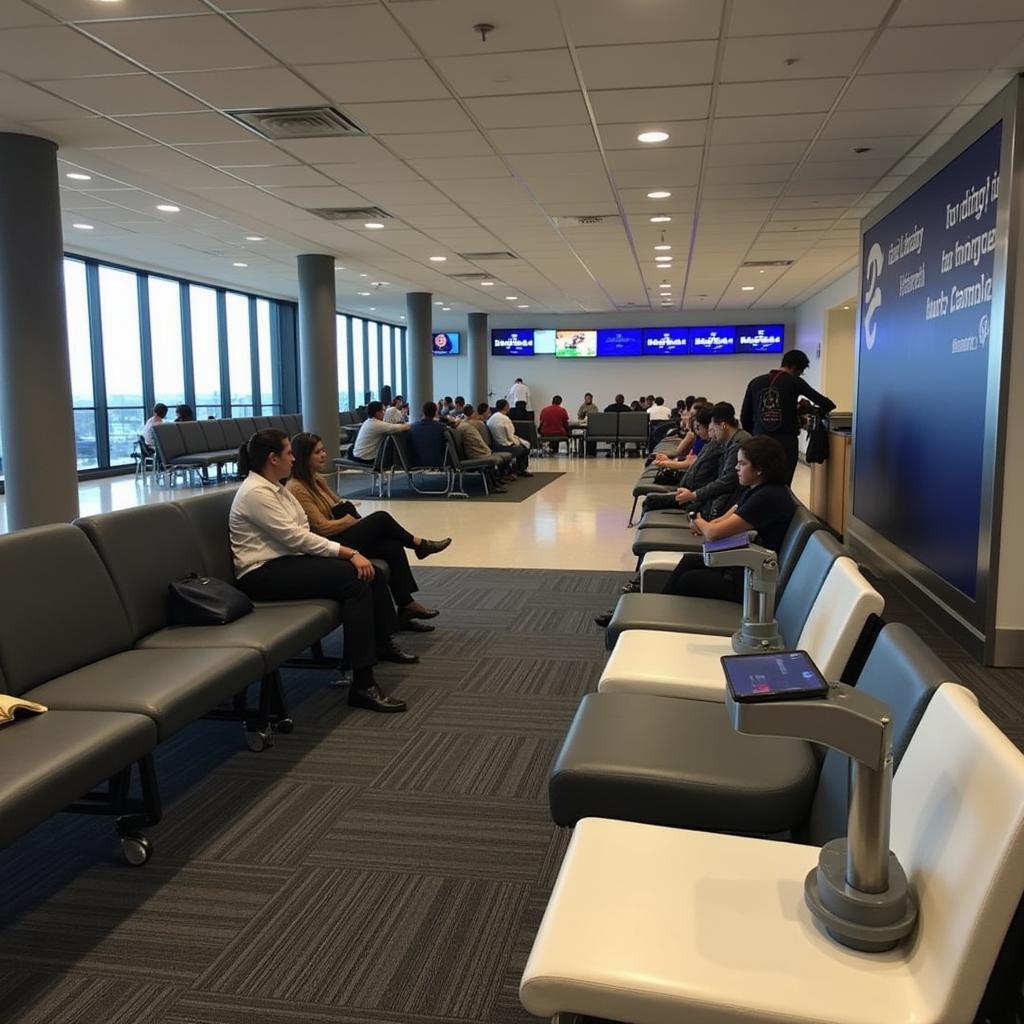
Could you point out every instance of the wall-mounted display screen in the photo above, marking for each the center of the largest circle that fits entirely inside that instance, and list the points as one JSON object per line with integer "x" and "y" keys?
{"x": 619, "y": 342}
{"x": 512, "y": 343}
{"x": 666, "y": 341}
{"x": 446, "y": 343}
{"x": 575, "y": 344}
{"x": 543, "y": 343}
{"x": 712, "y": 341}
{"x": 760, "y": 339}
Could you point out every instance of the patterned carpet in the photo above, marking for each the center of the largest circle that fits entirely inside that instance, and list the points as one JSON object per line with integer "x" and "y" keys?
{"x": 367, "y": 869}
{"x": 356, "y": 486}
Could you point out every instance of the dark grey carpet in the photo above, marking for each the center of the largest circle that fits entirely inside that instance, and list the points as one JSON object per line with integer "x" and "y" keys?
{"x": 367, "y": 869}
{"x": 358, "y": 486}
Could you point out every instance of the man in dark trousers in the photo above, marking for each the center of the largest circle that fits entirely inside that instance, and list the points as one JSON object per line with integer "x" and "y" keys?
{"x": 770, "y": 405}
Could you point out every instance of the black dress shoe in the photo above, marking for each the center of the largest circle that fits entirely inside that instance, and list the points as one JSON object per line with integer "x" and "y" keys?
{"x": 374, "y": 699}
{"x": 410, "y": 625}
{"x": 427, "y": 613}
{"x": 395, "y": 653}
{"x": 603, "y": 619}
{"x": 431, "y": 547}
{"x": 632, "y": 587}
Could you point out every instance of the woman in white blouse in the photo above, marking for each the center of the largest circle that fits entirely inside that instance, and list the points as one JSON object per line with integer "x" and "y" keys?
{"x": 278, "y": 558}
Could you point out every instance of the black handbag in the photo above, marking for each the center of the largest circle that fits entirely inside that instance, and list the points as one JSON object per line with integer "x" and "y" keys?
{"x": 668, "y": 477}
{"x": 345, "y": 508}
{"x": 205, "y": 601}
{"x": 817, "y": 441}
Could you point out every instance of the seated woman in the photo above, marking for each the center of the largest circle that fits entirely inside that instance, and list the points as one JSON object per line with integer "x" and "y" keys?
{"x": 376, "y": 536}
{"x": 765, "y": 504}
{"x": 278, "y": 558}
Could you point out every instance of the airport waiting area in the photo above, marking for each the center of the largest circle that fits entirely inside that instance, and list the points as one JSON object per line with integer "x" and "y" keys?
{"x": 510, "y": 511}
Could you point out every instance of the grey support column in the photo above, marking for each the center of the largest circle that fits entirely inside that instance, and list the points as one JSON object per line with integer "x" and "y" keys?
{"x": 419, "y": 382}
{"x": 36, "y": 417}
{"x": 318, "y": 348}
{"x": 477, "y": 350}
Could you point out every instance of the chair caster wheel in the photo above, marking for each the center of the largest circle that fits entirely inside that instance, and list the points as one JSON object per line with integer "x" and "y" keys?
{"x": 285, "y": 726}
{"x": 257, "y": 741}
{"x": 136, "y": 849}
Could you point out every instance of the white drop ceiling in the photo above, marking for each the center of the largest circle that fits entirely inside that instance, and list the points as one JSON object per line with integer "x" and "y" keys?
{"x": 476, "y": 146}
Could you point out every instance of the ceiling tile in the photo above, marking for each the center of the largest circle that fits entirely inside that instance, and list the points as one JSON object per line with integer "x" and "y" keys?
{"x": 501, "y": 74}
{"x": 539, "y": 110}
{"x": 329, "y": 35}
{"x": 182, "y": 129}
{"x": 594, "y": 22}
{"x": 652, "y": 64}
{"x": 369, "y": 170}
{"x": 413, "y": 117}
{"x": 284, "y": 176}
{"x": 164, "y": 164}
{"x": 16, "y": 14}
{"x": 552, "y": 164}
{"x": 811, "y": 95}
{"x": 22, "y": 102}
{"x": 754, "y": 172}
{"x": 855, "y": 124}
{"x": 496, "y": 190}
{"x": 413, "y": 192}
{"x": 245, "y": 89}
{"x": 356, "y": 149}
{"x": 921, "y": 89}
{"x": 624, "y": 106}
{"x": 376, "y": 81}
{"x": 454, "y": 167}
{"x": 438, "y": 144}
{"x": 315, "y": 198}
{"x": 89, "y": 10}
{"x": 245, "y": 153}
{"x": 756, "y": 18}
{"x": 742, "y": 154}
{"x": 88, "y": 132}
{"x": 776, "y": 128}
{"x": 124, "y": 94}
{"x": 817, "y": 55}
{"x": 681, "y": 133}
{"x": 893, "y": 146}
{"x": 563, "y": 139}
{"x": 954, "y": 12}
{"x": 943, "y": 48}
{"x": 34, "y": 54}
{"x": 204, "y": 42}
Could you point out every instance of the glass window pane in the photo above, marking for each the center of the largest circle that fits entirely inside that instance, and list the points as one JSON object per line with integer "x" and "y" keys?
{"x": 386, "y": 376}
{"x": 79, "y": 348}
{"x": 344, "y": 398}
{"x": 165, "y": 332}
{"x": 122, "y": 360}
{"x": 205, "y": 350}
{"x": 268, "y": 363}
{"x": 399, "y": 367}
{"x": 239, "y": 354}
{"x": 358, "y": 360}
{"x": 85, "y": 438}
{"x": 372, "y": 357}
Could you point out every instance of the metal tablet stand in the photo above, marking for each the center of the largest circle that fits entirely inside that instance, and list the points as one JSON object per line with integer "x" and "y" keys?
{"x": 858, "y": 891}
{"x": 759, "y": 631}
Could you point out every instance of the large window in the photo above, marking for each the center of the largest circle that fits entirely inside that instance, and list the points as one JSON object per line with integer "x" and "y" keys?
{"x": 205, "y": 351}
{"x": 373, "y": 354}
{"x": 239, "y": 354}
{"x": 122, "y": 361}
{"x": 344, "y": 396}
{"x": 165, "y": 337}
{"x": 358, "y": 360}
{"x": 76, "y": 294}
{"x": 268, "y": 354}
{"x": 386, "y": 374}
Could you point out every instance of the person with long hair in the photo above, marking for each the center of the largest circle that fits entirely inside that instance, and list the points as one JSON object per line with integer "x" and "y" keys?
{"x": 376, "y": 536}
{"x": 278, "y": 558}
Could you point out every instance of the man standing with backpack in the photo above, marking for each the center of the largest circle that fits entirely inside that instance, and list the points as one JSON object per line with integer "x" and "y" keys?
{"x": 771, "y": 404}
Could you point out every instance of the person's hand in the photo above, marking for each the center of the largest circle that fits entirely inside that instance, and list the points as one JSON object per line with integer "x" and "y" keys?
{"x": 660, "y": 457}
{"x": 684, "y": 496}
{"x": 363, "y": 566}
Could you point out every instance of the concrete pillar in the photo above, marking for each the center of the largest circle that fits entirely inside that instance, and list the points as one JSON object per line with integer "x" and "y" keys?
{"x": 318, "y": 348}
{"x": 419, "y": 382}
{"x": 36, "y": 417}
{"x": 476, "y": 348}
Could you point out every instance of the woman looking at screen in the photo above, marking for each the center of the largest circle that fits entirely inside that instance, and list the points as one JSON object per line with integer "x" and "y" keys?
{"x": 764, "y": 505}
{"x": 376, "y": 536}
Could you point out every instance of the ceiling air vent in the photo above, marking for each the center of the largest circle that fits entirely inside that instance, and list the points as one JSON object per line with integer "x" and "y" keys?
{"x": 476, "y": 275}
{"x": 486, "y": 257}
{"x": 767, "y": 263}
{"x": 583, "y": 222}
{"x": 365, "y": 213}
{"x": 285, "y": 123}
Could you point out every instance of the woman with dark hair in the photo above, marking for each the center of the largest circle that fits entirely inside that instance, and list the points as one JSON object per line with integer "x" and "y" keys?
{"x": 278, "y": 558}
{"x": 376, "y": 536}
{"x": 183, "y": 413}
{"x": 765, "y": 505}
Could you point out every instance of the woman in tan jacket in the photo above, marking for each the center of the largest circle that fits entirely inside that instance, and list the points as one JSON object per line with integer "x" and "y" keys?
{"x": 376, "y": 536}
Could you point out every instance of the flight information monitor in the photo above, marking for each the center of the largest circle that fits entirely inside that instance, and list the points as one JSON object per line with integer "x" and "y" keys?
{"x": 575, "y": 344}
{"x": 446, "y": 343}
{"x": 619, "y": 342}
{"x": 512, "y": 343}
{"x": 712, "y": 341}
{"x": 760, "y": 339}
{"x": 666, "y": 341}
{"x": 544, "y": 343}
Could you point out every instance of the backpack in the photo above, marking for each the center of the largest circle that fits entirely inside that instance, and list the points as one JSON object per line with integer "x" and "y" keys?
{"x": 817, "y": 440}
{"x": 769, "y": 404}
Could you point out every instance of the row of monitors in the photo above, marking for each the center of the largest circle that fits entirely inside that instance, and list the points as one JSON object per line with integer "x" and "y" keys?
{"x": 757, "y": 339}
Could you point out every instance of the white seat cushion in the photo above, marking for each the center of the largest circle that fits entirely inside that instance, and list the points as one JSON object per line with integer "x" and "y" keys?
{"x": 658, "y": 561}
{"x": 667, "y": 664}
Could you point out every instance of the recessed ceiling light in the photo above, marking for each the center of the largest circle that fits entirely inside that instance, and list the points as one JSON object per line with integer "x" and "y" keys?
{"x": 76, "y": 176}
{"x": 486, "y": 284}
{"x": 82, "y": 227}
{"x": 239, "y": 264}
{"x": 338, "y": 266}
{"x": 662, "y": 248}
{"x": 761, "y": 271}
{"x": 373, "y": 309}
{"x": 662, "y": 259}
{"x": 446, "y": 309}
{"x": 260, "y": 238}
{"x": 438, "y": 303}
{"x": 373, "y": 226}
{"x": 652, "y": 137}
{"x": 511, "y": 298}
{"x": 381, "y": 284}
{"x": 364, "y": 275}
{"x": 846, "y": 307}
{"x": 522, "y": 307}
{"x": 660, "y": 220}
{"x": 747, "y": 288}
{"x": 168, "y": 208}
{"x": 666, "y": 285}
{"x": 438, "y": 259}
{"x": 363, "y": 293}
{"x": 658, "y": 195}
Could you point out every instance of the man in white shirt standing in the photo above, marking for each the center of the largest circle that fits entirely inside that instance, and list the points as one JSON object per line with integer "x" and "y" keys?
{"x": 506, "y": 439}
{"x": 519, "y": 392}
{"x": 372, "y": 433}
{"x": 278, "y": 558}
{"x": 394, "y": 412}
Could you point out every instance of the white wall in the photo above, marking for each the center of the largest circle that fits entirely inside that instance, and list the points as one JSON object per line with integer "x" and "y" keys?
{"x": 722, "y": 378}
{"x": 811, "y": 324}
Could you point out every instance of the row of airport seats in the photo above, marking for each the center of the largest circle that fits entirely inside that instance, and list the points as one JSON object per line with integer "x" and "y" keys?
{"x": 618, "y": 429}
{"x": 681, "y": 894}
{"x": 89, "y": 635}
{"x": 196, "y": 445}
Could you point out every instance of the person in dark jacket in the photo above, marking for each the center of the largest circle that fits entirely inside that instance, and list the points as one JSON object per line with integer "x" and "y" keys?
{"x": 770, "y": 405}
{"x": 427, "y": 439}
